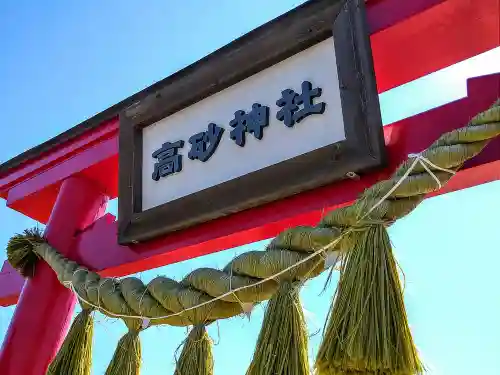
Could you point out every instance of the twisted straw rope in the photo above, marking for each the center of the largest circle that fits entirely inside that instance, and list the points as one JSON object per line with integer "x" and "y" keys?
{"x": 208, "y": 294}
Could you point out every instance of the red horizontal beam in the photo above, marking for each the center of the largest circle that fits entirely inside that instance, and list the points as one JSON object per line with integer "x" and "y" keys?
{"x": 409, "y": 39}
{"x": 105, "y": 131}
{"x": 32, "y": 189}
{"x": 383, "y": 14}
{"x": 102, "y": 153}
{"x": 98, "y": 248}
{"x": 433, "y": 39}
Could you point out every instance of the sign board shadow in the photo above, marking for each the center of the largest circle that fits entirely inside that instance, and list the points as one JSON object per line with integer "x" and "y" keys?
{"x": 289, "y": 107}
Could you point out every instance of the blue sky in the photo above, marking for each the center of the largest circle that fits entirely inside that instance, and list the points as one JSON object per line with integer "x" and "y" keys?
{"x": 62, "y": 62}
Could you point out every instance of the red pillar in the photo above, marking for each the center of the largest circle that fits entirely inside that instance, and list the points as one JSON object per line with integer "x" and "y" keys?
{"x": 45, "y": 307}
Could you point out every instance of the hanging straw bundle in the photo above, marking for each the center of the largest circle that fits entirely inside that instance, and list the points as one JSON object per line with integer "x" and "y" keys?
{"x": 20, "y": 251}
{"x": 282, "y": 344}
{"x": 127, "y": 357}
{"x": 367, "y": 331}
{"x": 75, "y": 355}
{"x": 196, "y": 357}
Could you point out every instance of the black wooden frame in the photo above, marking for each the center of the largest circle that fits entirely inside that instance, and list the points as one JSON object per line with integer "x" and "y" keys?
{"x": 271, "y": 43}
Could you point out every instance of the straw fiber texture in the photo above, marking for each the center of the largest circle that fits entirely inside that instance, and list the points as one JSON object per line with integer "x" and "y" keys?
{"x": 127, "y": 356}
{"x": 367, "y": 331}
{"x": 283, "y": 339}
{"x": 196, "y": 357}
{"x": 75, "y": 355}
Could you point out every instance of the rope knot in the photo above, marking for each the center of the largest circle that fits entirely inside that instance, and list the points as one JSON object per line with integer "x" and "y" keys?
{"x": 366, "y": 224}
{"x": 135, "y": 326}
{"x": 427, "y": 165}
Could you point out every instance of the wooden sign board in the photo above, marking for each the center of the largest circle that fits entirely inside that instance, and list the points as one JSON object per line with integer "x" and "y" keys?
{"x": 288, "y": 107}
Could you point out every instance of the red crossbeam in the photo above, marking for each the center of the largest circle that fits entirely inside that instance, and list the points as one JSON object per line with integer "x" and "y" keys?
{"x": 98, "y": 248}
{"x": 439, "y": 37}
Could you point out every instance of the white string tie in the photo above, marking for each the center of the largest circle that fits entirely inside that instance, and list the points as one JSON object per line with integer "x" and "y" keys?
{"x": 419, "y": 158}
{"x": 426, "y": 163}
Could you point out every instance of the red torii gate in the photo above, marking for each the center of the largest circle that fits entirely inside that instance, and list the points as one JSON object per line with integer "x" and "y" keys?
{"x": 66, "y": 181}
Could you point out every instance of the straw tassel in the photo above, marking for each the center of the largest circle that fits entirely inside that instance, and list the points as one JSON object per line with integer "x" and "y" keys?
{"x": 127, "y": 358}
{"x": 196, "y": 357}
{"x": 282, "y": 344}
{"x": 368, "y": 330}
{"x": 75, "y": 355}
{"x": 20, "y": 251}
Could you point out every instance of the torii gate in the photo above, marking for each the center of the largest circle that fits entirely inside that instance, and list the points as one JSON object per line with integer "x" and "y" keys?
{"x": 67, "y": 181}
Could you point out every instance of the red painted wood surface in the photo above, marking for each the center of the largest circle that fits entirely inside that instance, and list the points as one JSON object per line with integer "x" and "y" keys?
{"x": 410, "y": 39}
{"x": 32, "y": 189}
{"x": 45, "y": 308}
{"x": 98, "y": 248}
{"x": 383, "y": 14}
{"x": 434, "y": 39}
{"x": 11, "y": 283}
